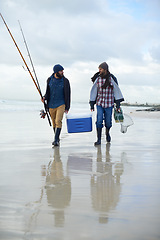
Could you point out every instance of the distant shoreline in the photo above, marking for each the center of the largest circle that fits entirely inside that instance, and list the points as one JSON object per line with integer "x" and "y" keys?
{"x": 149, "y": 107}
{"x": 145, "y": 107}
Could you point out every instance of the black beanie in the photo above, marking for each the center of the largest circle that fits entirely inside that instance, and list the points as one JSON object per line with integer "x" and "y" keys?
{"x": 104, "y": 66}
{"x": 57, "y": 68}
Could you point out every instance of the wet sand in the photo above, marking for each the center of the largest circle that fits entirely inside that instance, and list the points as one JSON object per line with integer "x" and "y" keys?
{"x": 78, "y": 191}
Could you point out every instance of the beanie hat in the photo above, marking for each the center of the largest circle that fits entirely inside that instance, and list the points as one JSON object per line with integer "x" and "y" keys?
{"x": 57, "y": 68}
{"x": 104, "y": 66}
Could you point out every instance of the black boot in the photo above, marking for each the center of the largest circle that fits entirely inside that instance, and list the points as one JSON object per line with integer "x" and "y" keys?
{"x": 57, "y": 134}
{"x": 99, "y": 134}
{"x": 108, "y": 137}
{"x": 54, "y": 129}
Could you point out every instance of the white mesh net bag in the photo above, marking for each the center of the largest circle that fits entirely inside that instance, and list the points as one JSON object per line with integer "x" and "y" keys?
{"x": 127, "y": 121}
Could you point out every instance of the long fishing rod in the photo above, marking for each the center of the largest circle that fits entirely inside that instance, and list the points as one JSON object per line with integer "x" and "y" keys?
{"x": 29, "y": 55}
{"x": 25, "y": 65}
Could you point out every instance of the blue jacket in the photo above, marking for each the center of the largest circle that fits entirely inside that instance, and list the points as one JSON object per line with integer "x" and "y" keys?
{"x": 67, "y": 93}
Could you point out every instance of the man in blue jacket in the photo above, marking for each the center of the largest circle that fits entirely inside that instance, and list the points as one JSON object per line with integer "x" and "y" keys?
{"x": 57, "y": 96}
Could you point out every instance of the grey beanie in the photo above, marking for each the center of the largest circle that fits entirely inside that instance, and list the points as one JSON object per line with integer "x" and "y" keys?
{"x": 104, "y": 65}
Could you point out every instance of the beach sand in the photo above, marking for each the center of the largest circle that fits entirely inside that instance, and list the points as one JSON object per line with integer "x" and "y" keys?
{"x": 78, "y": 191}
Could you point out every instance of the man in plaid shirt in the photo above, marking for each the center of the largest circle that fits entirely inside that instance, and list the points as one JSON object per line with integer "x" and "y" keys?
{"x": 104, "y": 93}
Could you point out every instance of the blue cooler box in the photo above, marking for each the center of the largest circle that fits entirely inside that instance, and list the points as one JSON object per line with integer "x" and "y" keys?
{"x": 77, "y": 123}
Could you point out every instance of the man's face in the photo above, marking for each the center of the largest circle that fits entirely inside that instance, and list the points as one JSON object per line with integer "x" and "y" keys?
{"x": 59, "y": 74}
{"x": 102, "y": 72}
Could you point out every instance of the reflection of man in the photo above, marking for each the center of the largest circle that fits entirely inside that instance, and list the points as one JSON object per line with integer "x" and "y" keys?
{"x": 118, "y": 169}
{"x": 58, "y": 189}
{"x": 105, "y": 190}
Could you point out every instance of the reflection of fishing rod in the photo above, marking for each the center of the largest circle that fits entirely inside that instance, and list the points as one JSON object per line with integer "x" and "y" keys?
{"x": 37, "y": 86}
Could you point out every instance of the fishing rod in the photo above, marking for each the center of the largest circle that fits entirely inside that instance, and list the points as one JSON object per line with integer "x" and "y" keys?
{"x": 26, "y": 66}
{"x": 29, "y": 55}
{"x": 42, "y": 113}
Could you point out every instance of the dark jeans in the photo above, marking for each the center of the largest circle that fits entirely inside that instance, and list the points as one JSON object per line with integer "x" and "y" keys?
{"x": 106, "y": 115}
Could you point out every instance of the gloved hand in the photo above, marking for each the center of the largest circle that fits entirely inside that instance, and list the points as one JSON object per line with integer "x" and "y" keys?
{"x": 92, "y": 105}
{"x": 118, "y": 107}
{"x": 43, "y": 99}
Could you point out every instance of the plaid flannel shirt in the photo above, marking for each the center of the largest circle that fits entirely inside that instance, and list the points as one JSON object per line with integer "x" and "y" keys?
{"x": 105, "y": 97}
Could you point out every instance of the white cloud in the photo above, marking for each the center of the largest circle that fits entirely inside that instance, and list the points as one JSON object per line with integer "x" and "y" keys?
{"x": 80, "y": 35}
{"x": 141, "y": 94}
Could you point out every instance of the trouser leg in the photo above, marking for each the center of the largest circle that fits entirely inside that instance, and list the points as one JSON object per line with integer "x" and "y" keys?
{"x": 52, "y": 112}
{"x": 59, "y": 116}
{"x": 100, "y": 114}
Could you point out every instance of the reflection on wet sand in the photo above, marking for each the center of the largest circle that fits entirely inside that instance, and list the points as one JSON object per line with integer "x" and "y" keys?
{"x": 98, "y": 188}
{"x": 105, "y": 187}
{"x": 79, "y": 164}
{"x": 58, "y": 189}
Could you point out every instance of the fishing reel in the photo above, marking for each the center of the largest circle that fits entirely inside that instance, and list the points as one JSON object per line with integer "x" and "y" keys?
{"x": 42, "y": 113}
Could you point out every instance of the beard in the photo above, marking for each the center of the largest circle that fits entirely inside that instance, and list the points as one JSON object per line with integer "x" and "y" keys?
{"x": 102, "y": 75}
{"x": 59, "y": 75}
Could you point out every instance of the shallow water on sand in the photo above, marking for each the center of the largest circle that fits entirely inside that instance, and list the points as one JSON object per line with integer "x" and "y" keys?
{"x": 78, "y": 191}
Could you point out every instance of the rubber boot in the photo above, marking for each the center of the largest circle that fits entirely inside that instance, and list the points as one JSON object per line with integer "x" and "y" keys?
{"x": 54, "y": 129}
{"x": 99, "y": 134}
{"x": 108, "y": 137}
{"x": 57, "y": 134}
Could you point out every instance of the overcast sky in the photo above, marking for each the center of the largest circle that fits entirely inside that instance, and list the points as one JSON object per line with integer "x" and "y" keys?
{"x": 81, "y": 34}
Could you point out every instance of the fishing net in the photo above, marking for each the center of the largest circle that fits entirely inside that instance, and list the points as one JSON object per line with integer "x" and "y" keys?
{"x": 124, "y": 119}
{"x": 127, "y": 122}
